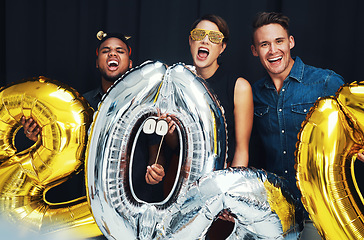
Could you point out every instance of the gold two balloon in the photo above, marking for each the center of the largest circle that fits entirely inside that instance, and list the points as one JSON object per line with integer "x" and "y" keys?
{"x": 26, "y": 176}
{"x": 329, "y": 141}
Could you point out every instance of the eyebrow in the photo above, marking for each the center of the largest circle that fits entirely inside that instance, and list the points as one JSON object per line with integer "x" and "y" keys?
{"x": 278, "y": 38}
{"x": 259, "y": 43}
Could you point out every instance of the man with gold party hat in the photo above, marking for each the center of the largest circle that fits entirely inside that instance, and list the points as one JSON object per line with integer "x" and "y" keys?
{"x": 112, "y": 60}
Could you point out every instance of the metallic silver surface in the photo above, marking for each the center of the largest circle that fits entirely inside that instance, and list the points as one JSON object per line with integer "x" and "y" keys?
{"x": 247, "y": 193}
{"x": 191, "y": 206}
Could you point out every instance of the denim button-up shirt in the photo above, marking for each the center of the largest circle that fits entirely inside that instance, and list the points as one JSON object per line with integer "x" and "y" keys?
{"x": 278, "y": 116}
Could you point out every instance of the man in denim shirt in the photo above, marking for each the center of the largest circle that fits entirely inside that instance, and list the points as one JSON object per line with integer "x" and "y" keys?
{"x": 283, "y": 98}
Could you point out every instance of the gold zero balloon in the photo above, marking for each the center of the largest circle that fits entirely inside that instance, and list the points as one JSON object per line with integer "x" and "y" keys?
{"x": 26, "y": 176}
{"x": 327, "y": 148}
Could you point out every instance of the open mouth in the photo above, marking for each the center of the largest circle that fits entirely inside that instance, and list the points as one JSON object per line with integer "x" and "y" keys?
{"x": 113, "y": 64}
{"x": 275, "y": 59}
{"x": 203, "y": 53}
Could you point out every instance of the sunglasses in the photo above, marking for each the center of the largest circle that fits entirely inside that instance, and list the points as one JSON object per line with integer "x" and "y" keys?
{"x": 214, "y": 36}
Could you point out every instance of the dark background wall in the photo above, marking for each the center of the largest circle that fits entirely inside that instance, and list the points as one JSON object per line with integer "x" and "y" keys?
{"x": 57, "y": 39}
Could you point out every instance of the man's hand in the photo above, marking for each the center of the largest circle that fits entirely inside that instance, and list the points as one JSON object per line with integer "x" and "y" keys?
{"x": 31, "y": 128}
{"x": 155, "y": 174}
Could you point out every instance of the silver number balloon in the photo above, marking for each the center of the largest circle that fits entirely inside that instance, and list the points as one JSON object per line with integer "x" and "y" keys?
{"x": 125, "y": 116}
{"x": 117, "y": 126}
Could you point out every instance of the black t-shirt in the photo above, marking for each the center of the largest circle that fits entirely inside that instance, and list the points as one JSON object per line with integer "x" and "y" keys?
{"x": 222, "y": 84}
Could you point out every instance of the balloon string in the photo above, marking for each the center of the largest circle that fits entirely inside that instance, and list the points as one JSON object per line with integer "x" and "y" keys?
{"x": 159, "y": 149}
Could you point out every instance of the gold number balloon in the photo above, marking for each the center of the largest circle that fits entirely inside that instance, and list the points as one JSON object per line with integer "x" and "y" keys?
{"x": 26, "y": 176}
{"x": 329, "y": 140}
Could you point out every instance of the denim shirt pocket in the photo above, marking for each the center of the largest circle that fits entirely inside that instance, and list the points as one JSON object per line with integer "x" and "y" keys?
{"x": 261, "y": 111}
{"x": 299, "y": 112}
{"x": 262, "y": 116}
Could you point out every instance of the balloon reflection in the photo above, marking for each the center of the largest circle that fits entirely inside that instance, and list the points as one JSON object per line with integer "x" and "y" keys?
{"x": 25, "y": 177}
{"x": 328, "y": 144}
{"x": 200, "y": 192}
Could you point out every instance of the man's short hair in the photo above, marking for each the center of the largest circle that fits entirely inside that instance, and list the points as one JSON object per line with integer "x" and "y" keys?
{"x": 265, "y": 18}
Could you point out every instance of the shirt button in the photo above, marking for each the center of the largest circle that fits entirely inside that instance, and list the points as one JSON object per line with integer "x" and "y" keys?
{"x": 285, "y": 171}
{"x": 283, "y": 89}
{"x": 284, "y": 152}
{"x": 283, "y": 131}
{"x": 280, "y": 109}
{"x": 305, "y": 110}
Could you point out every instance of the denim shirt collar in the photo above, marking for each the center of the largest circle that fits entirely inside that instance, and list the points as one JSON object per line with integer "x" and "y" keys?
{"x": 296, "y": 73}
{"x": 297, "y": 70}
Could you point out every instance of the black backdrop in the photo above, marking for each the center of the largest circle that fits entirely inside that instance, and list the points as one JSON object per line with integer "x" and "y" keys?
{"x": 57, "y": 39}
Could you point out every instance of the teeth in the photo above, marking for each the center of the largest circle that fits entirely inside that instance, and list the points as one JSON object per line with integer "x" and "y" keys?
{"x": 113, "y": 62}
{"x": 203, "y": 49}
{"x": 274, "y": 59}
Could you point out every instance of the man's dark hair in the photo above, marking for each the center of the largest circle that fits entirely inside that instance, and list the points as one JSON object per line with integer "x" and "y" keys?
{"x": 265, "y": 18}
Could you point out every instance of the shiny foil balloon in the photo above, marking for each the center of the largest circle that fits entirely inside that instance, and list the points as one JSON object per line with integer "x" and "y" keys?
{"x": 26, "y": 176}
{"x": 327, "y": 148}
{"x": 122, "y": 137}
{"x": 261, "y": 203}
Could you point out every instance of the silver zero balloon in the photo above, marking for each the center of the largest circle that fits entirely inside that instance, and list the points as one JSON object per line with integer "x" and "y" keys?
{"x": 117, "y": 124}
{"x": 199, "y": 192}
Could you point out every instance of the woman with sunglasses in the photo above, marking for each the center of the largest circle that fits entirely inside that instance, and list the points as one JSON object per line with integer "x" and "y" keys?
{"x": 208, "y": 40}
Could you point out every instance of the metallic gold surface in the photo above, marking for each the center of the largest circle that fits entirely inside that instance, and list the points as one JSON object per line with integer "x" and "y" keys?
{"x": 26, "y": 176}
{"x": 329, "y": 141}
{"x": 279, "y": 204}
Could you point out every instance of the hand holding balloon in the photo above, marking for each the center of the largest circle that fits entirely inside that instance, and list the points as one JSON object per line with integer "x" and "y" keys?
{"x": 171, "y": 136}
{"x": 155, "y": 174}
{"x": 31, "y": 128}
{"x": 165, "y": 127}
{"x": 357, "y": 152}
{"x": 226, "y": 215}
{"x": 360, "y": 155}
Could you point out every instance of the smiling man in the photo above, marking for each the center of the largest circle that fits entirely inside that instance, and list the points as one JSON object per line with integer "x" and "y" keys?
{"x": 282, "y": 99}
{"x": 113, "y": 60}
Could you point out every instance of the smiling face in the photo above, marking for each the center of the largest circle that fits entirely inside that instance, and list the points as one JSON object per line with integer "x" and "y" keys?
{"x": 205, "y": 53}
{"x": 113, "y": 59}
{"x": 273, "y": 47}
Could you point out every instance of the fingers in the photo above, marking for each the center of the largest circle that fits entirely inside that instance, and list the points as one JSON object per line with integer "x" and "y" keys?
{"x": 155, "y": 174}
{"x": 31, "y": 128}
{"x": 171, "y": 125}
{"x": 170, "y": 121}
{"x": 360, "y": 156}
{"x": 22, "y": 120}
{"x": 226, "y": 216}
